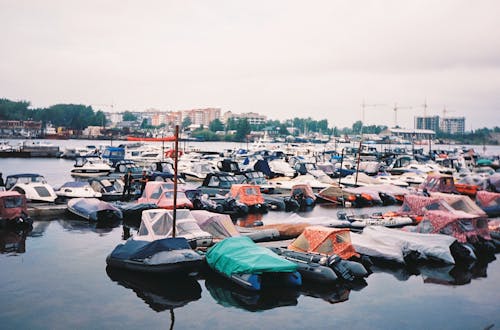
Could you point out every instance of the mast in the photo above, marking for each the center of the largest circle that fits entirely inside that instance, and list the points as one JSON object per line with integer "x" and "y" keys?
{"x": 176, "y": 158}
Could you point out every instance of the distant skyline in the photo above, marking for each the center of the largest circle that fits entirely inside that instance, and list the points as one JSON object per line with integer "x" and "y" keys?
{"x": 282, "y": 59}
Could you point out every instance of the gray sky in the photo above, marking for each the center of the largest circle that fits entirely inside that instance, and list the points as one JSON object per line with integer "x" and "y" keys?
{"x": 283, "y": 59}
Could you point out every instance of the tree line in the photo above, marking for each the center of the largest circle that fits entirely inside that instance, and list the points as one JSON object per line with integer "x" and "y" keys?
{"x": 71, "y": 116}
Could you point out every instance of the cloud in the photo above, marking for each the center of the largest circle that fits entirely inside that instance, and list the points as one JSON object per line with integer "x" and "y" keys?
{"x": 279, "y": 58}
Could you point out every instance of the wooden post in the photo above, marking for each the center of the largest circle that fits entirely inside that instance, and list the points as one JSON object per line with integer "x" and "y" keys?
{"x": 176, "y": 158}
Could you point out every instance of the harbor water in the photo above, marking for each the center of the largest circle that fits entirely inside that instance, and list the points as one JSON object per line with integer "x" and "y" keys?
{"x": 56, "y": 278}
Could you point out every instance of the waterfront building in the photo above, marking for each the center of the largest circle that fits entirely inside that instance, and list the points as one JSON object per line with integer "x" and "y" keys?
{"x": 202, "y": 116}
{"x": 409, "y": 134}
{"x": 427, "y": 122}
{"x": 453, "y": 125}
{"x": 252, "y": 117}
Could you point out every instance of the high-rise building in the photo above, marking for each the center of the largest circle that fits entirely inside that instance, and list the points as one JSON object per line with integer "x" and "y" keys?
{"x": 202, "y": 116}
{"x": 453, "y": 125}
{"x": 427, "y": 122}
{"x": 252, "y": 117}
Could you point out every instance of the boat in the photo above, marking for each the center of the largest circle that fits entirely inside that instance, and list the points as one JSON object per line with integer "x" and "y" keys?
{"x": 162, "y": 194}
{"x": 303, "y": 195}
{"x": 388, "y": 219}
{"x": 151, "y": 139}
{"x": 93, "y": 209}
{"x": 249, "y": 195}
{"x": 13, "y": 210}
{"x": 110, "y": 188}
{"x": 90, "y": 167}
{"x": 33, "y": 186}
{"x": 143, "y": 253}
{"x": 311, "y": 267}
{"x": 489, "y": 202}
{"x": 197, "y": 171}
{"x": 158, "y": 223}
{"x": 75, "y": 189}
{"x": 405, "y": 247}
{"x": 251, "y": 266}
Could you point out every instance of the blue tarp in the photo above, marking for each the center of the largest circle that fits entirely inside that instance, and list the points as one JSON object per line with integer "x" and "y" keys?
{"x": 134, "y": 249}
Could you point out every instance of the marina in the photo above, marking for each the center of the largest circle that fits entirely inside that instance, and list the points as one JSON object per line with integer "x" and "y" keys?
{"x": 74, "y": 251}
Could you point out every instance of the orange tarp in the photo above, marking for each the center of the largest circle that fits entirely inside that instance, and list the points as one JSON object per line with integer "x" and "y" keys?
{"x": 326, "y": 241}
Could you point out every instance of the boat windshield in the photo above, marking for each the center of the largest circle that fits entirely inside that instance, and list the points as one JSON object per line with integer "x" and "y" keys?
{"x": 12, "y": 202}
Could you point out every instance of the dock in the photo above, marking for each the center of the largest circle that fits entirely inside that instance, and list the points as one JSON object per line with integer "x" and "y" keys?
{"x": 46, "y": 209}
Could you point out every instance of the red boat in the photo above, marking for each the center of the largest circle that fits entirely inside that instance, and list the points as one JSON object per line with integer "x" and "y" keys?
{"x": 151, "y": 139}
{"x": 13, "y": 210}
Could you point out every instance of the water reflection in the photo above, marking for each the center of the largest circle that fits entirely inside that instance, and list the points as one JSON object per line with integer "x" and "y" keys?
{"x": 459, "y": 274}
{"x": 160, "y": 293}
{"x": 333, "y": 294}
{"x": 82, "y": 226}
{"x": 13, "y": 241}
{"x": 229, "y": 294}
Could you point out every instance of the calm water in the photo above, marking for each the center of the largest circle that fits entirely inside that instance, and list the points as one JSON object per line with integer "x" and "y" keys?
{"x": 56, "y": 278}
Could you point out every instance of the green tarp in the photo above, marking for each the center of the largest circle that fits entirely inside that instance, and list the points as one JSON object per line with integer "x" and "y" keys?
{"x": 240, "y": 255}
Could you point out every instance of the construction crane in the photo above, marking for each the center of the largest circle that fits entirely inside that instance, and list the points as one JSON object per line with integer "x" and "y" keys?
{"x": 396, "y": 108}
{"x": 445, "y": 111}
{"x": 364, "y": 106}
{"x": 425, "y": 108}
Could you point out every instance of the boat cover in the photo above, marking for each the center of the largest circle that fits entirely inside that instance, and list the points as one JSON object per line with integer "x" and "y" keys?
{"x": 304, "y": 189}
{"x": 219, "y": 225}
{"x": 463, "y": 226}
{"x": 326, "y": 241}
{"x": 439, "y": 182}
{"x": 247, "y": 194}
{"x": 487, "y": 198}
{"x": 12, "y": 204}
{"x": 89, "y": 208}
{"x": 461, "y": 203}
{"x": 148, "y": 252}
{"x": 158, "y": 223}
{"x": 416, "y": 205}
{"x": 333, "y": 193}
{"x": 374, "y": 194}
{"x": 394, "y": 244}
{"x": 240, "y": 255}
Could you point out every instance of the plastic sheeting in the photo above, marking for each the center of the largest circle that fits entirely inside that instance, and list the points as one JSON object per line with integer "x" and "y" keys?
{"x": 394, "y": 244}
{"x": 219, "y": 225}
{"x": 240, "y": 255}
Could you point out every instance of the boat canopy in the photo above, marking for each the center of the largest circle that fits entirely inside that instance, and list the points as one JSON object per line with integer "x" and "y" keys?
{"x": 240, "y": 255}
{"x": 463, "y": 226}
{"x": 304, "y": 189}
{"x": 158, "y": 223}
{"x": 487, "y": 198}
{"x": 439, "y": 182}
{"x": 219, "y": 225}
{"x": 247, "y": 194}
{"x": 12, "y": 204}
{"x": 326, "y": 241}
{"x": 461, "y": 203}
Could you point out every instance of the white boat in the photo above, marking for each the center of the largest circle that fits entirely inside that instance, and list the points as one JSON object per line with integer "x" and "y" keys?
{"x": 281, "y": 167}
{"x": 198, "y": 171}
{"x": 287, "y": 183}
{"x": 33, "y": 186}
{"x": 90, "y": 167}
{"x": 74, "y": 189}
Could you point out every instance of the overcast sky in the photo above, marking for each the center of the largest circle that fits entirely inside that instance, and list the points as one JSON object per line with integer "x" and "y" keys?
{"x": 283, "y": 59}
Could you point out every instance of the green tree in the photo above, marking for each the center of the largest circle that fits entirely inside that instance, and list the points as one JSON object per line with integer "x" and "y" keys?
{"x": 242, "y": 130}
{"x": 216, "y": 125}
{"x": 356, "y": 127}
{"x": 129, "y": 116}
{"x": 186, "y": 122}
